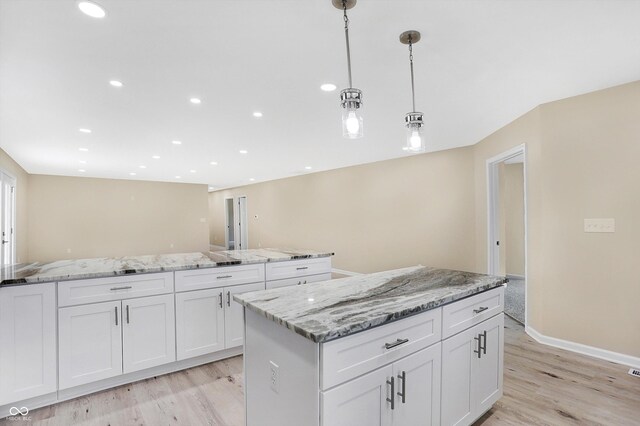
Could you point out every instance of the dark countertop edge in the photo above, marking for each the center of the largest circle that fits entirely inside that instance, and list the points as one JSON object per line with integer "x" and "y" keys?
{"x": 27, "y": 281}
{"x": 384, "y": 320}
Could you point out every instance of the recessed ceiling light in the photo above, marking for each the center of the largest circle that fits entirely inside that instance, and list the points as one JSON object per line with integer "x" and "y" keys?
{"x": 142, "y": 167}
{"x": 82, "y": 162}
{"x": 308, "y": 167}
{"x": 83, "y": 149}
{"x": 328, "y": 87}
{"x": 132, "y": 173}
{"x": 192, "y": 171}
{"x": 115, "y": 83}
{"x": 81, "y": 170}
{"x": 155, "y": 157}
{"x": 257, "y": 114}
{"x": 195, "y": 101}
{"x": 176, "y": 142}
{"x": 243, "y": 151}
{"x": 177, "y": 177}
{"x": 214, "y": 163}
{"x": 85, "y": 130}
{"x": 211, "y": 188}
{"x": 92, "y": 9}
{"x": 251, "y": 179}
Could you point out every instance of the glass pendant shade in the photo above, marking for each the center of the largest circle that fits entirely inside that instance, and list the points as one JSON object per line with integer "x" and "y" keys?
{"x": 415, "y": 132}
{"x": 352, "y": 124}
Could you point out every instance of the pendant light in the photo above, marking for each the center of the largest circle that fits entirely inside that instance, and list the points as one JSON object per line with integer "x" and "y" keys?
{"x": 350, "y": 98}
{"x": 413, "y": 120}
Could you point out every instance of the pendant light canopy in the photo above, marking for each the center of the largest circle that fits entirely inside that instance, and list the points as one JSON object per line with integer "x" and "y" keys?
{"x": 413, "y": 120}
{"x": 350, "y": 98}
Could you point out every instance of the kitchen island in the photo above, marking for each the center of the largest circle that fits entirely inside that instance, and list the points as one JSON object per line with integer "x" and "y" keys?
{"x": 414, "y": 346}
{"x": 73, "y": 327}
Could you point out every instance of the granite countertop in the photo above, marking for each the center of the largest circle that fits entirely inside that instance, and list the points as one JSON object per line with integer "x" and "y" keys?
{"x": 63, "y": 270}
{"x": 332, "y": 309}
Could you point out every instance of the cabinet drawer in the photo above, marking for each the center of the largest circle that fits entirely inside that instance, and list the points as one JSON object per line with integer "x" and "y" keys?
{"x": 199, "y": 279}
{"x": 465, "y": 313}
{"x": 113, "y": 288}
{"x": 298, "y": 281}
{"x": 298, "y": 268}
{"x": 351, "y": 356}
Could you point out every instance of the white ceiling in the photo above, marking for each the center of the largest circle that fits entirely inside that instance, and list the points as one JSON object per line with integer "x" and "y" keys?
{"x": 480, "y": 65}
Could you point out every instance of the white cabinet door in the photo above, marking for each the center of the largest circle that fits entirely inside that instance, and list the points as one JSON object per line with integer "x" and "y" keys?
{"x": 360, "y": 402}
{"x": 148, "y": 332}
{"x": 90, "y": 343}
{"x": 418, "y": 388}
{"x": 234, "y": 314}
{"x": 27, "y": 342}
{"x": 487, "y": 370}
{"x": 199, "y": 322}
{"x": 457, "y": 361}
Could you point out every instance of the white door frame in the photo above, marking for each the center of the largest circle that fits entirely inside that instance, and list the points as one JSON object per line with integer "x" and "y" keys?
{"x": 241, "y": 233}
{"x": 12, "y": 237}
{"x": 226, "y": 223}
{"x": 493, "y": 216}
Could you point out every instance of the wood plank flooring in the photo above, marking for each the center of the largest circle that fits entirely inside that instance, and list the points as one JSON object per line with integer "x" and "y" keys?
{"x": 542, "y": 386}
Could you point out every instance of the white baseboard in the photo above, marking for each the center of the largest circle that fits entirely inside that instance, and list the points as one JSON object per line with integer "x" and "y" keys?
{"x": 515, "y": 277}
{"x": 343, "y": 272}
{"x": 604, "y": 354}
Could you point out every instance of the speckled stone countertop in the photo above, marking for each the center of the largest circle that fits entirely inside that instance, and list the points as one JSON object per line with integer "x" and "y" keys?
{"x": 332, "y": 309}
{"x": 63, "y": 270}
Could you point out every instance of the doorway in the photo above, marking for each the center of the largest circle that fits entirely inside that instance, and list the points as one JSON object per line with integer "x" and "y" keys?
{"x": 236, "y": 229}
{"x": 8, "y": 219}
{"x": 507, "y": 227}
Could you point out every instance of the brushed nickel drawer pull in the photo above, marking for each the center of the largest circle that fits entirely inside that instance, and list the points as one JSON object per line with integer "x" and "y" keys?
{"x": 223, "y": 276}
{"x": 480, "y": 309}
{"x": 396, "y": 343}
{"x": 302, "y": 268}
{"x": 121, "y": 288}
{"x": 393, "y": 393}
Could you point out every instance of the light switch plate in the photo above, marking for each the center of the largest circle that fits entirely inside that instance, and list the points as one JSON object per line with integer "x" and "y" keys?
{"x": 600, "y": 225}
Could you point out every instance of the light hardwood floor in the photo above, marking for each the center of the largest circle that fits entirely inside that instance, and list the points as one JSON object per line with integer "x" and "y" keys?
{"x": 542, "y": 386}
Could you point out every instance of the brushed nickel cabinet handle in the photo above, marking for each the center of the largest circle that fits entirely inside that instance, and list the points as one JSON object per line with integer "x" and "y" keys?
{"x": 479, "y": 340}
{"x": 402, "y": 394}
{"x": 116, "y": 315}
{"x": 484, "y": 345}
{"x": 223, "y": 276}
{"x": 396, "y": 343}
{"x": 480, "y": 309}
{"x": 228, "y": 298}
{"x": 393, "y": 393}
{"x": 302, "y": 268}
{"x": 220, "y": 296}
{"x": 127, "y": 314}
{"x": 121, "y": 288}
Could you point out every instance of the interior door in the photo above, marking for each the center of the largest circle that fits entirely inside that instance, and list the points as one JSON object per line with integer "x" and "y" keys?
{"x": 418, "y": 388}
{"x": 229, "y": 208}
{"x": 200, "y": 322}
{"x": 234, "y": 314}
{"x": 7, "y": 222}
{"x": 90, "y": 343}
{"x": 148, "y": 332}
{"x": 487, "y": 370}
{"x": 241, "y": 231}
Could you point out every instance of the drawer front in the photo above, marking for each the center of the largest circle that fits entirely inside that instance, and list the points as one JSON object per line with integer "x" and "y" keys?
{"x": 299, "y": 281}
{"x": 113, "y": 288}
{"x": 465, "y": 313}
{"x": 351, "y": 356}
{"x": 298, "y": 268}
{"x": 200, "y": 279}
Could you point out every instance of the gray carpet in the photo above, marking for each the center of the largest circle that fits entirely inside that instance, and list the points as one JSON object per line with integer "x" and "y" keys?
{"x": 514, "y": 300}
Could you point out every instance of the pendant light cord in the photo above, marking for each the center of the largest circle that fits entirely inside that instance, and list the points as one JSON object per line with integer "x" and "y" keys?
{"x": 413, "y": 92}
{"x": 346, "y": 36}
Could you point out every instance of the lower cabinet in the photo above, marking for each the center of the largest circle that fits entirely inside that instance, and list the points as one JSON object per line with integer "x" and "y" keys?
{"x": 472, "y": 365}
{"x": 405, "y": 393}
{"x": 210, "y": 320}
{"x": 27, "y": 342}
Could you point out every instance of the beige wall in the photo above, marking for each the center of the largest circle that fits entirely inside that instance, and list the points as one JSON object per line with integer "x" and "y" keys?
{"x": 72, "y": 217}
{"x": 512, "y": 194}
{"x": 22, "y": 188}
{"x": 582, "y": 163}
{"x": 415, "y": 210}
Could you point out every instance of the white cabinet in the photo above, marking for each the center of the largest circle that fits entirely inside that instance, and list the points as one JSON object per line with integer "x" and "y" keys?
{"x": 90, "y": 343}
{"x": 148, "y": 332}
{"x": 234, "y": 314}
{"x": 360, "y": 402}
{"x": 472, "y": 366}
{"x": 27, "y": 342}
{"x": 298, "y": 280}
{"x": 199, "y": 322}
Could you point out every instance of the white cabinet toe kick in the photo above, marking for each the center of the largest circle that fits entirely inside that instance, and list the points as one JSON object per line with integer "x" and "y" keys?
{"x": 62, "y": 340}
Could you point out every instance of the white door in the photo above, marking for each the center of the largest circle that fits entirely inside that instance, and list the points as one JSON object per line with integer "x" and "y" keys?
{"x": 418, "y": 388}
{"x": 199, "y": 322}
{"x": 360, "y": 402}
{"x": 457, "y": 361}
{"x": 487, "y": 370}
{"x": 148, "y": 332}
{"x": 28, "y": 365}
{"x": 234, "y": 314}
{"x": 7, "y": 221}
{"x": 90, "y": 343}
{"x": 241, "y": 224}
{"x": 230, "y": 226}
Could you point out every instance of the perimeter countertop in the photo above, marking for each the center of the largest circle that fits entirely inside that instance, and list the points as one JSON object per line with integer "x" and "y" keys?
{"x": 64, "y": 270}
{"x": 332, "y": 309}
